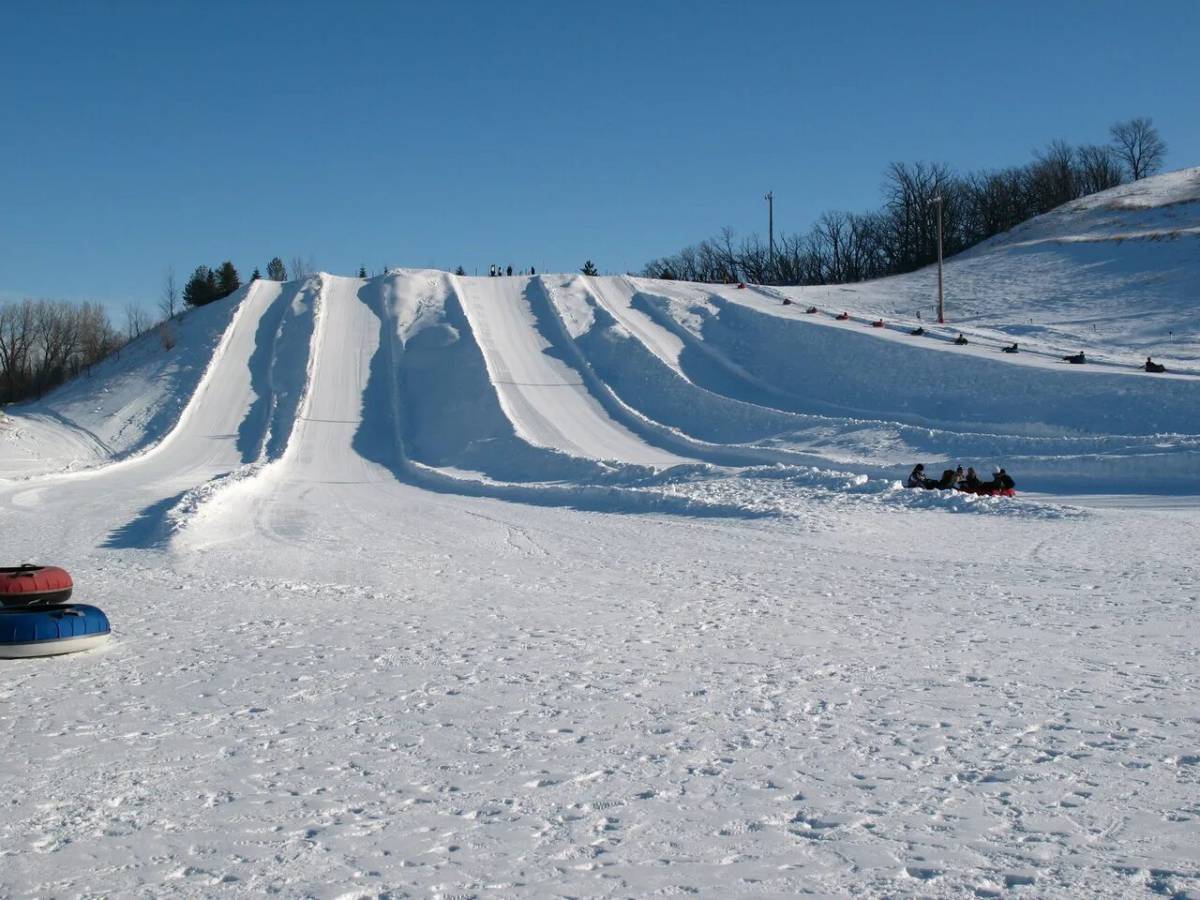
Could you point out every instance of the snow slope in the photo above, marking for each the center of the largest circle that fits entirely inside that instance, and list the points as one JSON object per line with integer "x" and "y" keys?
{"x": 426, "y": 585}
{"x": 1113, "y": 273}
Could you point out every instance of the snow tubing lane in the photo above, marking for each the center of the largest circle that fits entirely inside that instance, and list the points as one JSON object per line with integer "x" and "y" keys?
{"x": 30, "y": 585}
{"x": 51, "y": 630}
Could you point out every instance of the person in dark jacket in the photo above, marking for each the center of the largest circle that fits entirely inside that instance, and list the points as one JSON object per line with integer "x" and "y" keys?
{"x": 1152, "y": 366}
{"x": 1001, "y": 481}
{"x": 950, "y": 477}
{"x": 961, "y": 340}
{"x": 1077, "y": 359}
{"x": 916, "y": 478}
{"x": 918, "y": 331}
{"x": 972, "y": 481}
{"x": 1012, "y": 349}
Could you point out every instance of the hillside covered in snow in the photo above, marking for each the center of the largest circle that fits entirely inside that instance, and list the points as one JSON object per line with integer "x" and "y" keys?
{"x": 525, "y": 384}
{"x": 606, "y": 586}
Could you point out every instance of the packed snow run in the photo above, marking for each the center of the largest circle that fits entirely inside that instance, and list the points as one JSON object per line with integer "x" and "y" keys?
{"x": 425, "y": 585}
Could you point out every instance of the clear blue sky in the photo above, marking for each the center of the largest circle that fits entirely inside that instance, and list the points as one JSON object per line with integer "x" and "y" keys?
{"x": 138, "y": 135}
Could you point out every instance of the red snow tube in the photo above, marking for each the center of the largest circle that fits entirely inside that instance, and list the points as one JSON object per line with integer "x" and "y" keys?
{"x": 1003, "y": 492}
{"x": 30, "y": 585}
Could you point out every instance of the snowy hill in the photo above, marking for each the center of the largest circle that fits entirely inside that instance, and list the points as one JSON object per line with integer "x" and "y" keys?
{"x": 558, "y": 386}
{"x": 1114, "y": 273}
{"x": 489, "y": 587}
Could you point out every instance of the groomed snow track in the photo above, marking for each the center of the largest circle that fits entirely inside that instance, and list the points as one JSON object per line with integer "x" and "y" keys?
{"x": 622, "y": 394}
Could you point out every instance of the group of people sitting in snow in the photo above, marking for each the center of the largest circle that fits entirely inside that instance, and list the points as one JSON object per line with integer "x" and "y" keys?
{"x": 956, "y": 480}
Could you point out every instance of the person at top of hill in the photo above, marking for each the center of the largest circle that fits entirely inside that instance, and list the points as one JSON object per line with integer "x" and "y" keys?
{"x": 1012, "y": 349}
{"x": 1077, "y": 359}
{"x": 532, "y": 270}
{"x": 961, "y": 340}
{"x": 510, "y": 270}
{"x": 492, "y": 271}
{"x": 1152, "y": 366}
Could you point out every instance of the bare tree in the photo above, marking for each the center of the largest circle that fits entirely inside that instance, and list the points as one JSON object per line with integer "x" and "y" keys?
{"x": 1099, "y": 169}
{"x": 170, "y": 295}
{"x": 1051, "y": 180}
{"x": 302, "y": 267}
{"x": 137, "y": 320}
{"x": 17, "y": 335}
{"x": 1139, "y": 146}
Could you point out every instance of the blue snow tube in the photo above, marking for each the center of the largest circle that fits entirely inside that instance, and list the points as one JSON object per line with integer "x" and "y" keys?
{"x": 50, "y": 630}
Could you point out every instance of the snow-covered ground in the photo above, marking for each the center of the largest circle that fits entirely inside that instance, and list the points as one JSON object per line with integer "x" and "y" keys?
{"x": 566, "y": 586}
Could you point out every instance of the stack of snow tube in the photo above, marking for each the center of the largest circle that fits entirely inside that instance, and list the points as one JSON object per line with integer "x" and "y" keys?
{"x": 37, "y": 620}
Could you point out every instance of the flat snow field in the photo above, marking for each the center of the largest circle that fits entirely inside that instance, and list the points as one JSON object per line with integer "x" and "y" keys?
{"x": 386, "y": 691}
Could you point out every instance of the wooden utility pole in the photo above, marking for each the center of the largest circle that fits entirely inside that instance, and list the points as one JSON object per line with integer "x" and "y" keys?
{"x": 941, "y": 304}
{"x": 770, "y": 198}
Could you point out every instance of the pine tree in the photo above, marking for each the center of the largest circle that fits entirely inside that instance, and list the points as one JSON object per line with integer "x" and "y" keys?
{"x": 211, "y": 286}
{"x": 228, "y": 279}
{"x": 589, "y": 268}
{"x": 197, "y": 291}
{"x": 362, "y": 271}
{"x": 255, "y": 276}
{"x": 276, "y": 270}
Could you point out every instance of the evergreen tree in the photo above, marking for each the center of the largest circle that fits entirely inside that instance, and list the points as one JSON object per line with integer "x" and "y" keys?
{"x": 589, "y": 268}
{"x": 211, "y": 286}
{"x": 362, "y": 271}
{"x": 460, "y": 271}
{"x": 197, "y": 291}
{"x": 276, "y": 270}
{"x": 228, "y": 279}
{"x": 255, "y": 276}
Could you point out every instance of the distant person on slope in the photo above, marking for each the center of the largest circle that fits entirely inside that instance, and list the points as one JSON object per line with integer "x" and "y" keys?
{"x": 1077, "y": 359}
{"x": 961, "y": 340}
{"x": 510, "y": 270}
{"x": 1012, "y": 349}
{"x": 1152, "y": 366}
{"x": 532, "y": 270}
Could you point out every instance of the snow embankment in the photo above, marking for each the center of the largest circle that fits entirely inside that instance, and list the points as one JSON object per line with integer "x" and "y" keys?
{"x": 1113, "y": 274}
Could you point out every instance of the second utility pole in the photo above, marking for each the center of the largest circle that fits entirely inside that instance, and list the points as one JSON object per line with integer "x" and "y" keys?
{"x": 770, "y": 198}
{"x": 941, "y": 306}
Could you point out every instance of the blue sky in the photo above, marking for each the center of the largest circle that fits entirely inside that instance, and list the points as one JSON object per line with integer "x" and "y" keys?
{"x": 142, "y": 135}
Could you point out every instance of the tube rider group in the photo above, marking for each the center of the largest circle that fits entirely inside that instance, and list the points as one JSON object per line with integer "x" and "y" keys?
{"x": 1000, "y": 485}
